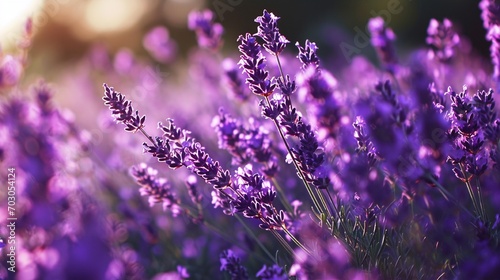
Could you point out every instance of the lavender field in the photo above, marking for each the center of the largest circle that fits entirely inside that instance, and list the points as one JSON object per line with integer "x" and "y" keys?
{"x": 201, "y": 140}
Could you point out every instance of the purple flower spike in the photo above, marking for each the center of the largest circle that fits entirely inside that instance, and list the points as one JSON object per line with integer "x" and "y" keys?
{"x": 253, "y": 63}
{"x": 494, "y": 36}
{"x": 382, "y": 39}
{"x": 157, "y": 189}
{"x": 307, "y": 54}
{"x": 441, "y": 39}
{"x": 11, "y": 70}
{"x": 209, "y": 34}
{"x": 268, "y": 30}
{"x": 122, "y": 109}
{"x": 157, "y": 42}
{"x": 490, "y": 13}
{"x": 234, "y": 80}
{"x": 232, "y": 264}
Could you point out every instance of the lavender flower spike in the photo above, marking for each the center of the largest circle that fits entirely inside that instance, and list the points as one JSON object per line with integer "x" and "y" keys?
{"x": 382, "y": 39}
{"x": 232, "y": 264}
{"x": 268, "y": 30}
{"x": 494, "y": 36}
{"x": 157, "y": 189}
{"x": 490, "y": 13}
{"x": 253, "y": 63}
{"x": 122, "y": 109}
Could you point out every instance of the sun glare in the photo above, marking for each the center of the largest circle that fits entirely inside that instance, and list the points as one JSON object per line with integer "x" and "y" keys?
{"x": 13, "y": 15}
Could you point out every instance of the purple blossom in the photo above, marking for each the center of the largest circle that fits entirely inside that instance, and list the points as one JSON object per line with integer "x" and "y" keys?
{"x": 274, "y": 272}
{"x": 158, "y": 43}
{"x": 157, "y": 189}
{"x": 245, "y": 144}
{"x": 253, "y": 63}
{"x": 234, "y": 80}
{"x": 490, "y": 13}
{"x": 307, "y": 54}
{"x": 316, "y": 84}
{"x": 382, "y": 39}
{"x": 10, "y": 71}
{"x": 268, "y": 30}
{"x": 365, "y": 145}
{"x": 208, "y": 33}
{"x": 122, "y": 110}
{"x": 232, "y": 264}
{"x": 494, "y": 36}
{"x": 442, "y": 39}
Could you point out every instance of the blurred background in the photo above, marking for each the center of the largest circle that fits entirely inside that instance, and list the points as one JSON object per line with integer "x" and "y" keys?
{"x": 79, "y": 44}
{"x": 65, "y": 29}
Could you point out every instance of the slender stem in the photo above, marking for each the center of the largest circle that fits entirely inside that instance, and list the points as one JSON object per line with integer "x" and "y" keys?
{"x": 252, "y": 234}
{"x": 294, "y": 160}
{"x": 480, "y": 198}
{"x": 283, "y": 242}
{"x": 147, "y": 135}
{"x": 470, "y": 190}
{"x": 282, "y": 197}
{"x": 323, "y": 201}
{"x": 296, "y": 241}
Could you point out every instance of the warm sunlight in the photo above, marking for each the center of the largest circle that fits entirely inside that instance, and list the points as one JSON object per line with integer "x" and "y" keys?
{"x": 13, "y": 15}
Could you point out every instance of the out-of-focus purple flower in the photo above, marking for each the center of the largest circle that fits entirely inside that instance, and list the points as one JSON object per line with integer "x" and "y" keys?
{"x": 253, "y": 63}
{"x": 330, "y": 259}
{"x": 182, "y": 271}
{"x": 307, "y": 54}
{"x": 245, "y": 143}
{"x": 157, "y": 189}
{"x": 234, "y": 80}
{"x": 494, "y": 36}
{"x": 442, "y": 39}
{"x": 316, "y": 84}
{"x": 232, "y": 264}
{"x": 208, "y": 33}
{"x": 268, "y": 30}
{"x": 490, "y": 13}
{"x": 365, "y": 145}
{"x": 382, "y": 39}
{"x": 274, "y": 272}
{"x": 484, "y": 104}
{"x": 10, "y": 71}
{"x": 158, "y": 43}
{"x": 124, "y": 61}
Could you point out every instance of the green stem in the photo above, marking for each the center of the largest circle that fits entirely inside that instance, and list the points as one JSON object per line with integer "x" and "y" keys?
{"x": 470, "y": 190}
{"x": 480, "y": 198}
{"x": 252, "y": 234}
{"x": 294, "y": 160}
{"x": 283, "y": 242}
{"x": 282, "y": 197}
{"x": 296, "y": 241}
